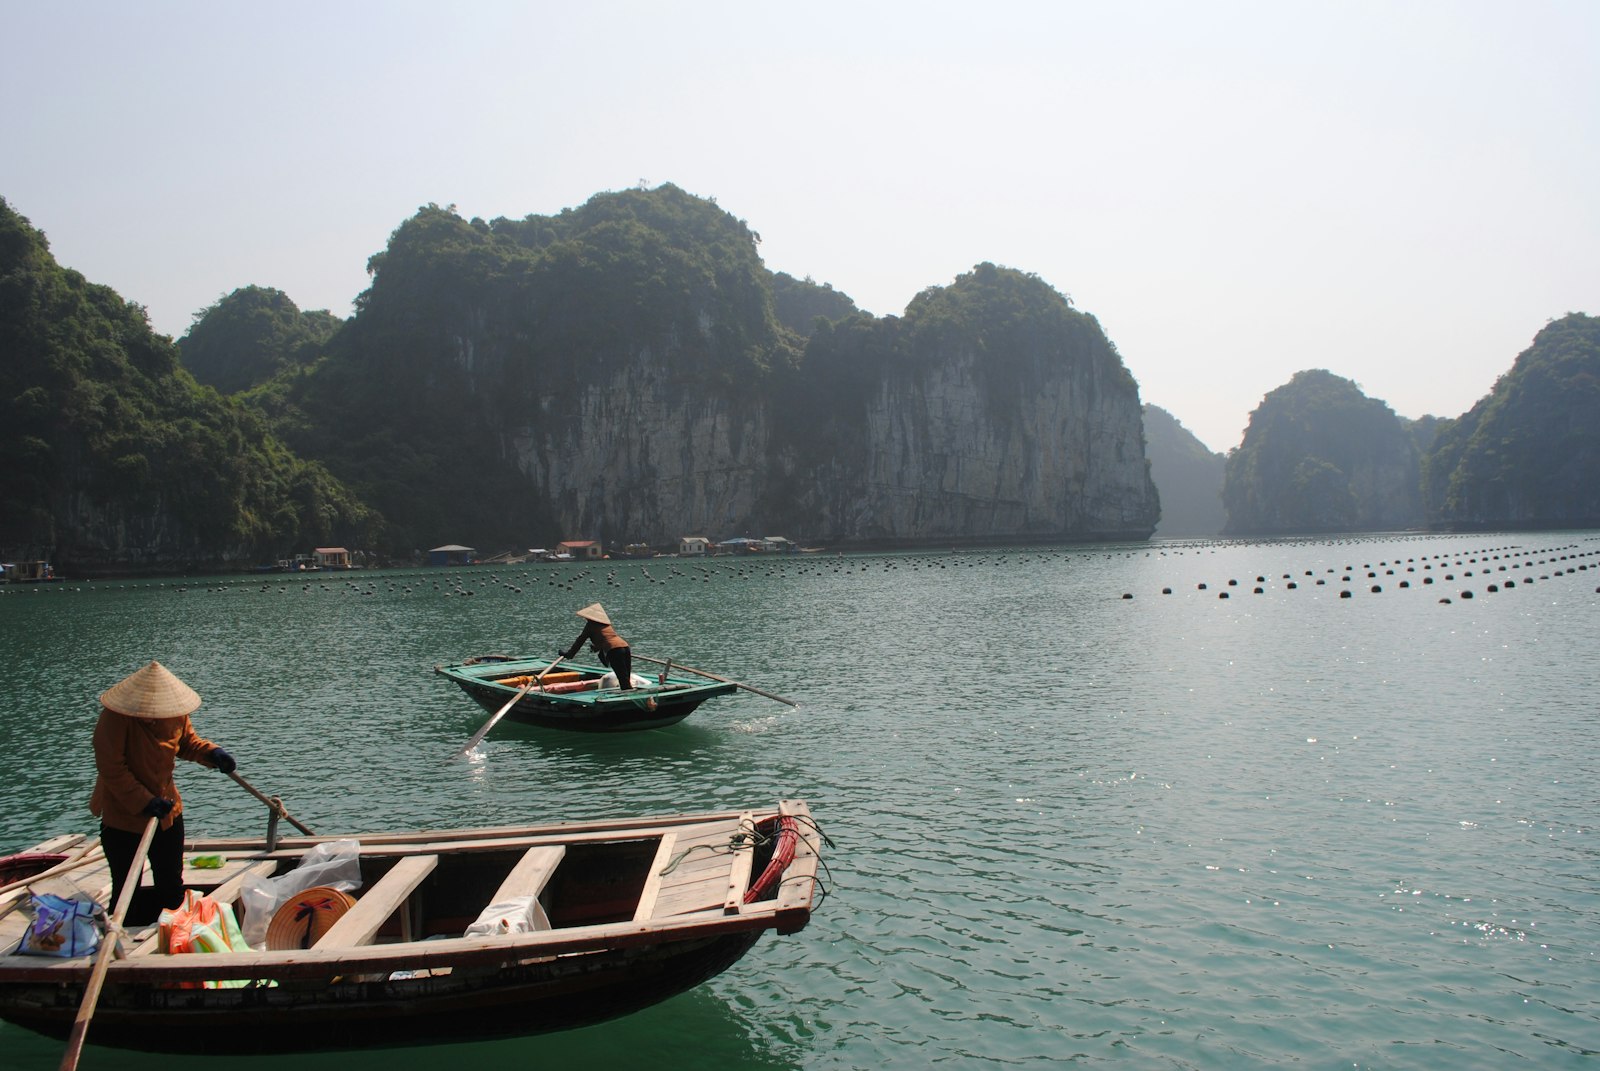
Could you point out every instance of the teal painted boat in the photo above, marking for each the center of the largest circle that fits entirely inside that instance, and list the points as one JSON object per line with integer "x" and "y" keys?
{"x": 580, "y": 698}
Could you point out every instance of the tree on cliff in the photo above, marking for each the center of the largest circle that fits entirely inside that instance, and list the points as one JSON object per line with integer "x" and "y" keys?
{"x": 475, "y": 341}
{"x": 251, "y": 335}
{"x": 1320, "y": 456}
{"x": 110, "y": 453}
{"x": 1528, "y": 454}
{"x": 800, "y": 303}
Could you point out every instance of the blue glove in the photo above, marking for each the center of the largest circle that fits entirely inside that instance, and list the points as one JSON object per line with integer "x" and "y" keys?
{"x": 222, "y": 760}
{"x": 158, "y": 808}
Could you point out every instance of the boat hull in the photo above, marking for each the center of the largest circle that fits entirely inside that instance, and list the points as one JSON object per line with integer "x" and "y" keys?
{"x": 558, "y": 994}
{"x": 610, "y": 711}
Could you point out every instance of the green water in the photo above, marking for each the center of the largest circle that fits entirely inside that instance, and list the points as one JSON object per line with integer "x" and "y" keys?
{"x": 1285, "y": 829}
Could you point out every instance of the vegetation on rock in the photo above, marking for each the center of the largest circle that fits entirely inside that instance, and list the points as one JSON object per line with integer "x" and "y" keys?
{"x": 112, "y": 456}
{"x": 251, "y": 335}
{"x": 1320, "y": 456}
{"x": 1528, "y": 454}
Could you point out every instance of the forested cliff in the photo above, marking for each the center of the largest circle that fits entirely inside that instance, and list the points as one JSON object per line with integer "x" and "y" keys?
{"x": 113, "y": 458}
{"x": 1528, "y": 454}
{"x": 1320, "y": 456}
{"x": 622, "y": 372}
{"x": 627, "y": 370}
{"x": 630, "y": 371}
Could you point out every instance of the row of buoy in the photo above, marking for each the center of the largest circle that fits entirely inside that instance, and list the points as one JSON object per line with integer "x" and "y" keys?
{"x": 1512, "y": 558}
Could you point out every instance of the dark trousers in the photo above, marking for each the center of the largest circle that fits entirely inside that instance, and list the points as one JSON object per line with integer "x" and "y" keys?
{"x": 620, "y": 661}
{"x": 166, "y": 870}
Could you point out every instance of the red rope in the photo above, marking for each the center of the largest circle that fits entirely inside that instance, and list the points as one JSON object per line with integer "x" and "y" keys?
{"x": 782, "y": 856}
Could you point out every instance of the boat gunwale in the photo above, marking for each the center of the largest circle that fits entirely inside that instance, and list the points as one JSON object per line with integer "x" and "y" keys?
{"x": 500, "y": 952}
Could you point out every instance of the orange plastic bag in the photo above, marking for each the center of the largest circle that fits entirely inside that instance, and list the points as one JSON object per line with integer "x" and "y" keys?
{"x": 200, "y": 924}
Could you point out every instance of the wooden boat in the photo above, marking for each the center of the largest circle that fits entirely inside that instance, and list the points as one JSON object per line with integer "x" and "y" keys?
{"x": 628, "y": 913}
{"x": 572, "y": 697}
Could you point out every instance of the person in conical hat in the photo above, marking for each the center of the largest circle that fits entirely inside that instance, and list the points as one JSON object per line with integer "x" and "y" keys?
{"x": 143, "y": 730}
{"x": 612, "y": 650}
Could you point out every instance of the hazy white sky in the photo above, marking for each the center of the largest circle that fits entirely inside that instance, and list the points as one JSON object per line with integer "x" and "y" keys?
{"x": 1400, "y": 192}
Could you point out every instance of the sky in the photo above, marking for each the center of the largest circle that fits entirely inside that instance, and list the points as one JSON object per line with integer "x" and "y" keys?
{"x": 1402, "y": 192}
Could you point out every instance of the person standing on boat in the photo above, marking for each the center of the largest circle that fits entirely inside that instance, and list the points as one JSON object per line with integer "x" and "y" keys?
{"x": 144, "y": 729}
{"x": 613, "y": 650}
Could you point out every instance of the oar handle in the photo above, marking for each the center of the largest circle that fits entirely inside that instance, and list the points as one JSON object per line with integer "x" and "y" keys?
{"x": 102, "y": 960}
{"x": 273, "y": 803}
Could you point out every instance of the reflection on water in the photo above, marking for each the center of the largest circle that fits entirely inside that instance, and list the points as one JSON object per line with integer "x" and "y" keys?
{"x": 1173, "y": 828}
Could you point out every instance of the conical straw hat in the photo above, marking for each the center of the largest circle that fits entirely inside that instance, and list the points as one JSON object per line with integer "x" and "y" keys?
{"x": 594, "y": 612}
{"x": 303, "y": 918}
{"x": 153, "y": 692}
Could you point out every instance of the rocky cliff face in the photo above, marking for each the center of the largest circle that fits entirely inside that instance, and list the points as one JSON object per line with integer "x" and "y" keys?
{"x": 936, "y": 449}
{"x": 1067, "y": 462}
{"x": 620, "y": 373}
{"x": 640, "y": 459}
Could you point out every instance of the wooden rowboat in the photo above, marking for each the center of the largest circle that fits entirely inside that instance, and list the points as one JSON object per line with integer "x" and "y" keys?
{"x": 627, "y": 913}
{"x": 571, "y": 697}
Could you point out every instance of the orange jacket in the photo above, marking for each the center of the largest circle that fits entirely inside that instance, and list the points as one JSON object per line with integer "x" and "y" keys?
{"x": 603, "y": 638}
{"x": 134, "y": 758}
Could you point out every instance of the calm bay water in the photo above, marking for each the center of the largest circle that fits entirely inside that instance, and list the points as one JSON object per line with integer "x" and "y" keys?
{"x": 1277, "y": 829}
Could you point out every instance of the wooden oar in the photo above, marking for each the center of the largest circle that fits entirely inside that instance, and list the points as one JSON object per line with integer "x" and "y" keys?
{"x": 477, "y": 737}
{"x": 272, "y": 802}
{"x": 102, "y": 960}
{"x": 724, "y": 680}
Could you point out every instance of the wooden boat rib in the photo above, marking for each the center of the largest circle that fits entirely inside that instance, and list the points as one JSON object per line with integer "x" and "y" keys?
{"x": 636, "y": 910}
{"x": 571, "y": 697}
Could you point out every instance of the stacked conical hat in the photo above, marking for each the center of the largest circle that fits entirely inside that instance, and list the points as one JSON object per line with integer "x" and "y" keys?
{"x": 594, "y": 612}
{"x": 153, "y": 692}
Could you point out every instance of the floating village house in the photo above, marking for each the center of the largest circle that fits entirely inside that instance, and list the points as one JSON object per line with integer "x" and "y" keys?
{"x": 581, "y": 549}
{"x": 451, "y": 554}
{"x": 332, "y": 558}
{"x": 693, "y": 547}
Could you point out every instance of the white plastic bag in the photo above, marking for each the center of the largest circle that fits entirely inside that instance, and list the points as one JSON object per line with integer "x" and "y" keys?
{"x": 609, "y": 680}
{"x": 335, "y": 862}
{"x": 519, "y": 914}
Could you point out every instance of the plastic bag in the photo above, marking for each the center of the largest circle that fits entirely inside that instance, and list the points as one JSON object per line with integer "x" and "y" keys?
{"x": 200, "y": 924}
{"x": 61, "y": 927}
{"x": 515, "y": 915}
{"x": 609, "y": 680}
{"x": 335, "y": 862}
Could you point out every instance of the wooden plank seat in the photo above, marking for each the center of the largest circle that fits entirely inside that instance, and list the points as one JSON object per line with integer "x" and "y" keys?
{"x": 529, "y": 877}
{"x": 360, "y": 925}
